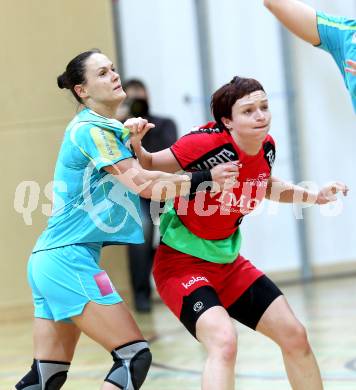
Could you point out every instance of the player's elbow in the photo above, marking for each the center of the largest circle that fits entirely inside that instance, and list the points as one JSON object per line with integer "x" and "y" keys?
{"x": 159, "y": 191}
{"x": 270, "y": 4}
{"x": 146, "y": 193}
{"x": 267, "y": 3}
{"x": 152, "y": 194}
{"x": 148, "y": 185}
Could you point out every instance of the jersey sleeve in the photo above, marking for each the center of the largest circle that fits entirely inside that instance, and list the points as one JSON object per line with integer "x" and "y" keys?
{"x": 269, "y": 148}
{"x": 332, "y": 33}
{"x": 101, "y": 146}
{"x": 189, "y": 148}
{"x": 338, "y": 37}
{"x": 270, "y": 139}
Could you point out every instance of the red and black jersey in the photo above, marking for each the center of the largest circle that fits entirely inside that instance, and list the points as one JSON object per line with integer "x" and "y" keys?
{"x": 217, "y": 216}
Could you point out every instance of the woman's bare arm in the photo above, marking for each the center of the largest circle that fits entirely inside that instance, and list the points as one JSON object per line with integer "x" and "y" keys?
{"x": 284, "y": 192}
{"x": 297, "y": 17}
{"x": 157, "y": 185}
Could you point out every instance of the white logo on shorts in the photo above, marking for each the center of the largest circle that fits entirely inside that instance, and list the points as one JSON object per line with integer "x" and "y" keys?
{"x": 198, "y": 306}
{"x": 194, "y": 280}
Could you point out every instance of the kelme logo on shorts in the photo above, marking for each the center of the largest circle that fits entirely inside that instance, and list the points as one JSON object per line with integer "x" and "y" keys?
{"x": 194, "y": 280}
{"x": 198, "y": 306}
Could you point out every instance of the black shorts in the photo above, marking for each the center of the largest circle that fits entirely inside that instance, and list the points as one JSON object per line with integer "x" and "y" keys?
{"x": 247, "y": 309}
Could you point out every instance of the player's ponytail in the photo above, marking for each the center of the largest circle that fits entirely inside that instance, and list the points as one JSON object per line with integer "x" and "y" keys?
{"x": 62, "y": 81}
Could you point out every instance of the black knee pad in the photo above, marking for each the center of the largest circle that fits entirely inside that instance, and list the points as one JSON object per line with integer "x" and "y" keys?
{"x": 131, "y": 364}
{"x": 44, "y": 375}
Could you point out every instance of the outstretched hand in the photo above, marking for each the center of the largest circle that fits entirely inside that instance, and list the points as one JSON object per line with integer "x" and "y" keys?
{"x": 328, "y": 194}
{"x": 351, "y": 68}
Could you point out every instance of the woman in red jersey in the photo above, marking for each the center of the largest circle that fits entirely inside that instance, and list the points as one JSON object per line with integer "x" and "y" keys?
{"x": 198, "y": 269}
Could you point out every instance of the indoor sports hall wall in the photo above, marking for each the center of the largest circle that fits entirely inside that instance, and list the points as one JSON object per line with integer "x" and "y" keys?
{"x": 162, "y": 48}
{"x": 41, "y": 37}
{"x": 327, "y": 126}
{"x": 180, "y": 46}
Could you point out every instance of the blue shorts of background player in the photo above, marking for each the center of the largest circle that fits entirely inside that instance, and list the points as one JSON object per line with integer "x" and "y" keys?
{"x": 65, "y": 279}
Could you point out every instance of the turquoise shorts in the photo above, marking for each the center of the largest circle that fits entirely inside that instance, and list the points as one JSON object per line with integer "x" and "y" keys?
{"x": 65, "y": 279}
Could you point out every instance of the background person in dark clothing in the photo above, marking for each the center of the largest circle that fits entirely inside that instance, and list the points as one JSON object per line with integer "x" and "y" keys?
{"x": 161, "y": 137}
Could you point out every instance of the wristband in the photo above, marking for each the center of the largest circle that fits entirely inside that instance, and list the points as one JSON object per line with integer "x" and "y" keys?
{"x": 197, "y": 178}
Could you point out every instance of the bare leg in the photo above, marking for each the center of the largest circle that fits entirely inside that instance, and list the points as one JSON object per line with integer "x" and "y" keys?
{"x": 217, "y": 333}
{"x": 54, "y": 340}
{"x": 111, "y": 326}
{"x": 280, "y": 324}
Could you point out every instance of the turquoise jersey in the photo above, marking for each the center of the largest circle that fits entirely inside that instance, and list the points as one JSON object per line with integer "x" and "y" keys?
{"x": 338, "y": 37}
{"x": 90, "y": 205}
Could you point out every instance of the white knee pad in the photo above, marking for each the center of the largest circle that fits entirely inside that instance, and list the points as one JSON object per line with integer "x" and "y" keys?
{"x": 131, "y": 364}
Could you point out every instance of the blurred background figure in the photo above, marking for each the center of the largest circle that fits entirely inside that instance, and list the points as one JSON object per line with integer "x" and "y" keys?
{"x": 161, "y": 137}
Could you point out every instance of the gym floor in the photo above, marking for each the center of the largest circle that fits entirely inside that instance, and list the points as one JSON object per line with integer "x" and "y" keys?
{"x": 327, "y": 308}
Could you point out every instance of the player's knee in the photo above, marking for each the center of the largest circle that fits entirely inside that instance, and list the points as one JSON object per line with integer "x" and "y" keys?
{"x": 44, "y": 375}
{"x": 295, "y": 340}
{"x": 225, "y": 345}
{"x": 220, "y": 339}
{"x": 131, "y": 364}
